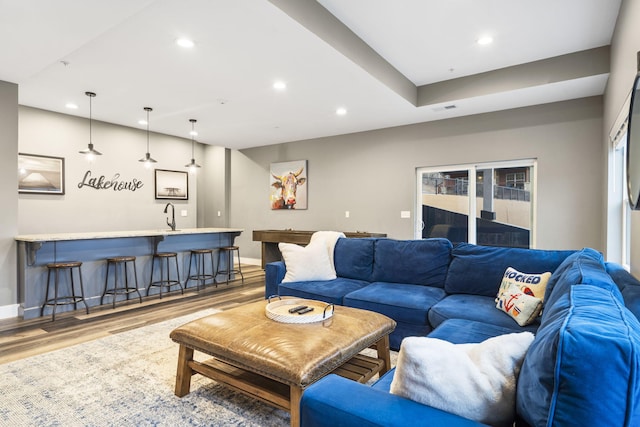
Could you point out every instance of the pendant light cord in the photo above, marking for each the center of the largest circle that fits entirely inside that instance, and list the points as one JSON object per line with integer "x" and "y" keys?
{"x": 147, "y": 129}
{"x": 90, "y": 119}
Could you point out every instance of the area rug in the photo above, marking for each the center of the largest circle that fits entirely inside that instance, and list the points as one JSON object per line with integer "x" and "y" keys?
{"x": 123, "y": 380}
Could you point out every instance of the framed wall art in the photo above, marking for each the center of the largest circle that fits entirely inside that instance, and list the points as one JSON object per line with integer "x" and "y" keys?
{"x": 172, "y": 184}
{"x": 40, "y": 174}
{"x": 288, "y": 185}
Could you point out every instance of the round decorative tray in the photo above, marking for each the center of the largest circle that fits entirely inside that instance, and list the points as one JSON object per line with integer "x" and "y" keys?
{"x": 278, "y": 310}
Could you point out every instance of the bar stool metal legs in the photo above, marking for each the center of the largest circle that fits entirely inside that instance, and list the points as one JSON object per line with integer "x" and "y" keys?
{"x": 168, "y": 282}
{"x": 201, "y": 277}
{"x": 118, "y": 289}
{"x": 230, "y": 264}
{"x": 56, "y": 268}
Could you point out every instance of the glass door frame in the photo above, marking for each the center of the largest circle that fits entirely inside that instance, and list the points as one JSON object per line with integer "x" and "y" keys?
{"x": 472, "y": 169}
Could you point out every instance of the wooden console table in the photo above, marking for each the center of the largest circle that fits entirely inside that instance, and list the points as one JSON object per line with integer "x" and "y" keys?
{"x": 271, "y": 238}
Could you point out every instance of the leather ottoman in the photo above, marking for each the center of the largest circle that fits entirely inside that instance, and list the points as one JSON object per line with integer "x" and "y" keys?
{"x": 274, "y": 361}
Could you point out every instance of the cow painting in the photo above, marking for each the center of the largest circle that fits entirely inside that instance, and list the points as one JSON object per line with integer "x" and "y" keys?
{"x": 284, "y": 188}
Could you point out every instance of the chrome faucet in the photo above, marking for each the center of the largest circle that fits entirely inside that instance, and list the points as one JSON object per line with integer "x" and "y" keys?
{"x": 171, "y": 224}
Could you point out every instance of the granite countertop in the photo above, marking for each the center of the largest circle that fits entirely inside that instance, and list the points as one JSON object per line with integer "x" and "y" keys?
{"x": 51, "y": 237}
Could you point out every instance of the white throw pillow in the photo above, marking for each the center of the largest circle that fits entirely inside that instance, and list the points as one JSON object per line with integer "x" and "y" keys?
{"x": 307, "y": 263}
{"x": 475, "y": 381}
{"x": 330, "y": 238}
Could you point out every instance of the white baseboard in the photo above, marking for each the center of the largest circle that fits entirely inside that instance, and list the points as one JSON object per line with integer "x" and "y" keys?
{"x": 9, "y": 311}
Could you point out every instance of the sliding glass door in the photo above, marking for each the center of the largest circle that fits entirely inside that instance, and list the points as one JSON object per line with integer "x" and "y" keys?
{"x": 503, "y": 206}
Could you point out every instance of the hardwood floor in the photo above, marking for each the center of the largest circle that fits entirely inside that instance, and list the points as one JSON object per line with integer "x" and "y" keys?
{"x": 23, "y": 338}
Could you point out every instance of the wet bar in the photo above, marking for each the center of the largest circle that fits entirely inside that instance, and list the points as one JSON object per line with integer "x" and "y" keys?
{"x": 35, "y": 251}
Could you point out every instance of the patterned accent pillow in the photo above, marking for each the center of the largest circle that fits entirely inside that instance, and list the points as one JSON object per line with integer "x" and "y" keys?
{"x": 523, "y": 308}
{"x": 530, "y": 284}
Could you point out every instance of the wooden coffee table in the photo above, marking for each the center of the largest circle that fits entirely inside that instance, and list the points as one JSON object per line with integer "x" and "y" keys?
{"x": 274, "y": 362}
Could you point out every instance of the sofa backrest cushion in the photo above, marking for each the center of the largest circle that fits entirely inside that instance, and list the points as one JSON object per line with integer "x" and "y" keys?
{"x": 478, "y": 270}
{"x": 417, "y": 262}
{"x": 585, "y": 266}
{"x": 353, "y": 258}
{"x": 583, "y": 366}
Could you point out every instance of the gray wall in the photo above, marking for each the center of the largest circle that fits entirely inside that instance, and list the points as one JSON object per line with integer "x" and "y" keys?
{"x": 372, "y": 174}
{"x": 625, "y": 44}
{"x": 86, "y": 209}
{"x": 8, "y": 194}
{"x": 213, "y": 196}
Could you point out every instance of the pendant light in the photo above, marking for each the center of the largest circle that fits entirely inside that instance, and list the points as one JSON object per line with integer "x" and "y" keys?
{"x": 90, "y": 152}
{"x": 147, "y": 160}
{"x": 193, "y": 166}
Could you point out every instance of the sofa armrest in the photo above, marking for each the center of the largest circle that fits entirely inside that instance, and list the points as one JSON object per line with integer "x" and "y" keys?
{"x": 273, "y": 274}
{"x": 337, "y": 401}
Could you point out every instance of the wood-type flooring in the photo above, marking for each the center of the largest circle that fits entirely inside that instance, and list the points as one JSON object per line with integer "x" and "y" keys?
{"x": 24, "y": 338}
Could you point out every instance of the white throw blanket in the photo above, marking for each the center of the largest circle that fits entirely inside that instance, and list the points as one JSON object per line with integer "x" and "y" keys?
{"x": 476, "y": 381}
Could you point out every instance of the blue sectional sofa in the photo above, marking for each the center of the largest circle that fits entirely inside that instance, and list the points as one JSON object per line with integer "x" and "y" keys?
{"x": 582, "y": 369}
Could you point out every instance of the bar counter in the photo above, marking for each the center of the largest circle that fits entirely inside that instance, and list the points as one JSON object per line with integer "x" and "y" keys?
{"x": 35, "y": 251}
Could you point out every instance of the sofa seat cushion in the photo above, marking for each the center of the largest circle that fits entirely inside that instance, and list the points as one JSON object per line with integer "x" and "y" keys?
{"x": 460, "y": 331}
{"x": 475, "y": 307}
{"x": 478, "y": 270}
{"x": 402, "y": 302}
{"x": 419, "y": 262}
{"x": 353, "y": 258}
{"x": 583, "y": 365}
{"x": 337, "y": 401}
{"x": 404, "y": 330}
{"x": 331, "y": 291}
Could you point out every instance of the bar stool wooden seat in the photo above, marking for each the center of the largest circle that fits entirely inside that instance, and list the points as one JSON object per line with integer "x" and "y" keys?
{"x": 118, "y": 289}
{"x": 230, "y": 268}
{"x": 164, "y": 268}
{"x": 57, "y": 268}
{"x": 201, "y": 276}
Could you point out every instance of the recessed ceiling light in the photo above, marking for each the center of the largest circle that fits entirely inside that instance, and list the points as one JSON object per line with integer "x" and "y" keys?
{"x": 341, "y": 111}
{"x": 280, "y": 85}
{"x": 185, "y": 43}
{"x": 142, "y": 122}
{"x": 484, "y": 40}
{"x": 71, "y": 106}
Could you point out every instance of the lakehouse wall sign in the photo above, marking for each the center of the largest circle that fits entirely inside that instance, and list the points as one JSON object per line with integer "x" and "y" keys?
{"x": 115, "y": 184}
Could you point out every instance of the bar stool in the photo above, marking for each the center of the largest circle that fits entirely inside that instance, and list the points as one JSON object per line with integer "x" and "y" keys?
{"x": 231, "y": 268}
{"x": 57, "y": 268}
{"x": 200, "y": 276}
{"x": 168, "y": 282}
{"x": 121, "y": 261}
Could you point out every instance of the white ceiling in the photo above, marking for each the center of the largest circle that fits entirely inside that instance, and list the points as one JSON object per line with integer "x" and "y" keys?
{"x": 125, "y": 51}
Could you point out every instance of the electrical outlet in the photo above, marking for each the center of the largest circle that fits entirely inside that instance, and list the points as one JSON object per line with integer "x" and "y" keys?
{"x": 405, "y": 214}
{"x": 183, "y": 212}
{"x": 219, "y": 213}
{"x": 346, "y": 214}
